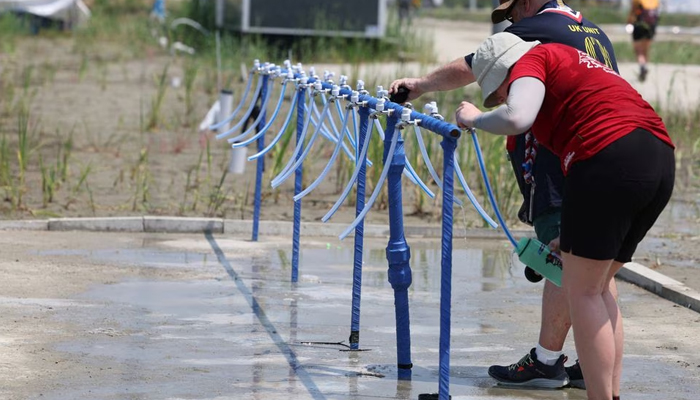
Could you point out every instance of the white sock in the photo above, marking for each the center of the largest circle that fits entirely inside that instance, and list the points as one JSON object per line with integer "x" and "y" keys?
{"x": 547, "y": 357}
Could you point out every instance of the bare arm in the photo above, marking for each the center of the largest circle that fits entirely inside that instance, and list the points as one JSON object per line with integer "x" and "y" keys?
{"x": 452, "y": 75}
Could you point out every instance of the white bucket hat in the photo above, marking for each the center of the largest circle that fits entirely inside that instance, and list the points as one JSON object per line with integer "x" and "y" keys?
{"x": 493, "y": 60}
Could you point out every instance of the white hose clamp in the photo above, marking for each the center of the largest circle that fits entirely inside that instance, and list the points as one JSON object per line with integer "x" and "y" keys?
{"x": 406, "y": 119}
{"x": 432, "y": 109}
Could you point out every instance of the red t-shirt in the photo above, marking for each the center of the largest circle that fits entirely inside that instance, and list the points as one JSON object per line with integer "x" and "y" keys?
{"x": 586, "y": 105}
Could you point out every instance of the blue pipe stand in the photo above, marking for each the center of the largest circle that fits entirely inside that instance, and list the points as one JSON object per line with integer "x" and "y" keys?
{"x": 448, "y": 145}
{"x": 261, "y": 161}
{"x": 301, "y": 94}
{"x": 359, "y": 232}
{"x": 398, "y": 253}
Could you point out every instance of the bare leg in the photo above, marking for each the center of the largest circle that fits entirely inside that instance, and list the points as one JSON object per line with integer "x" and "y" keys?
{"x": 641, "y": 50}
{"x": 610, "y": 297}
{"x": 555, "y": 322}
{"x": 586, "y": 281}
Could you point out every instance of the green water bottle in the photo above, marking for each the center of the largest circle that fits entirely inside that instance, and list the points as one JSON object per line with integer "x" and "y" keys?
{"x": 537, "y": 256}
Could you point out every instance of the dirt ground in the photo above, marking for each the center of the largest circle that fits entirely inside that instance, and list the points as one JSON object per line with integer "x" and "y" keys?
{"x": 98, "y": 106}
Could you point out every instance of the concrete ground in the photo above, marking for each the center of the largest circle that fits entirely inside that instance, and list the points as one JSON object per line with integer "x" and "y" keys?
{"x": 126, "y": 315}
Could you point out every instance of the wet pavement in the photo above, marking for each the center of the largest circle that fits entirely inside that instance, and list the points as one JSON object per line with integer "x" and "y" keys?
{"x": 213, "y": 317}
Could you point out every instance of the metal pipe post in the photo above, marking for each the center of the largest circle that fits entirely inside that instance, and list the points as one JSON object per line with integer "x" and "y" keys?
{"x": 397, "y": 252}
{"x": 301, "y": 95}
{"x": 359, "y": 233}
{"x": 448, "y": 145}
{"x": 261, "y": 161}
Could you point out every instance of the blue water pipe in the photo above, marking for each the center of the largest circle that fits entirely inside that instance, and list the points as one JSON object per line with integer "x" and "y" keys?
{"x": 448, "y": 145}
{"x": 359, "y": 231}
{"x": 301, "y": 130}
{"x": 261, "y": 162}
{"x": 398, "y": 253}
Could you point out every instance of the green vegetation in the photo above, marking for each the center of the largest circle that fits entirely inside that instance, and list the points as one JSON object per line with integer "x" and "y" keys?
{"x": 143, "y": 154}
{"x": 667, "y": 52}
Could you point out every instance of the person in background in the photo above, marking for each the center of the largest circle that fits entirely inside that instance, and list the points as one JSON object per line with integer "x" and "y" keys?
{"x": 404, "y": 10}
{"x": 644, "y": 17}
{"x": 619, "y": 168}
{"x": 538, "y": 174}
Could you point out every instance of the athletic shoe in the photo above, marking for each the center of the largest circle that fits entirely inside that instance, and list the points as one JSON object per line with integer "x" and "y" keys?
{"x": 643, "y": 73}
{"x": 576, "y": 376}
{"x": 528, "y": 372}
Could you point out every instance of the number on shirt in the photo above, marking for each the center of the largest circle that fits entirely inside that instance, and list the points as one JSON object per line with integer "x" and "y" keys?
{"x": 591, "y": 44}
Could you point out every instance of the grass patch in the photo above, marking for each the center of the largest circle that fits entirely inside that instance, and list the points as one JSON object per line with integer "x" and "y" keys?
{"x": 668, "y": 52}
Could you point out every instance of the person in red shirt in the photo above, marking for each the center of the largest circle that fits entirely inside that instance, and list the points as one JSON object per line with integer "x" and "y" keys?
{"x": 619, "y": 168}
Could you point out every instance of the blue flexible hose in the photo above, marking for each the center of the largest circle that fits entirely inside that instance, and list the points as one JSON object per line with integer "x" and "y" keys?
{"x": 333, "y": 138}
{"x": 300, "y": 141}
{"x": 233, "y": 114}
{"x": 352, "y": 180}
{"x": 277, "y": 138}
{"x": 266, "y": 127}
{"x": 245, "y": 116}
{"x": 409, "y": 172}
{"x": 492, "y": 198}
{"x": 428, "y": 164}
{"x": 328, "y": 166}
{"x": 300, "y": 159}
{"x": 266, "y": 95}
{"x": 377, "y": 189}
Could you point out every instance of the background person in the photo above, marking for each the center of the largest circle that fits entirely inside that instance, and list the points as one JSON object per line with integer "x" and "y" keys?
{"x": 598, "y": 126}
{"x": 644, "y": 17}
{"x": 538, "y": 174}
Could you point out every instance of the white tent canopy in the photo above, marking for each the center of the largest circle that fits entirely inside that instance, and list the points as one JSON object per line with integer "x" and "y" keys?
{"x": 73, "y": 12}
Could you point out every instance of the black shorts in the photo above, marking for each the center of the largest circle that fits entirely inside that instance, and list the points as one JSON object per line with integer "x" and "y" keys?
{"x": 612, "y": 199}
{"x": 643, "y": 30}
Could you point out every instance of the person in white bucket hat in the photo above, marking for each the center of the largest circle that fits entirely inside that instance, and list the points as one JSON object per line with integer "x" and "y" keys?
{"x": 538, "y": 175}
{"x": 619, "y": 168}
{"x": 492, "y": 62}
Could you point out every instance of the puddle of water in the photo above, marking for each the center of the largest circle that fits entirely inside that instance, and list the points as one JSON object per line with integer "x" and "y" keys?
{"x": 479, "y": 269}
{"x": 143, "y": 257}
